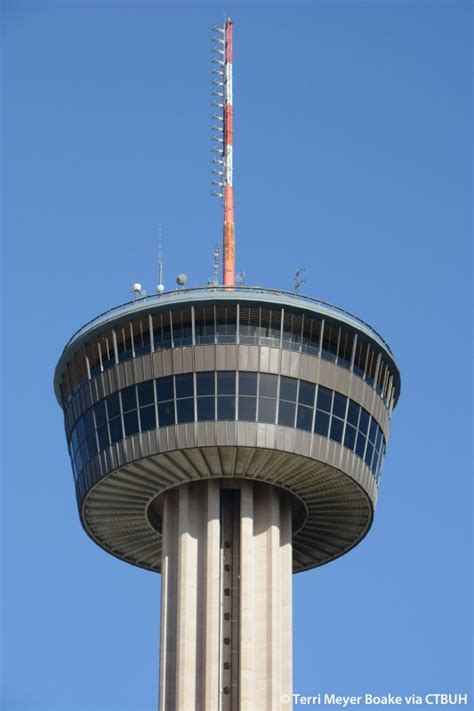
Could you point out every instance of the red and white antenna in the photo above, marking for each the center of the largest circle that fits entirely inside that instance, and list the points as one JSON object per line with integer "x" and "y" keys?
{"x": 223, "y": 136}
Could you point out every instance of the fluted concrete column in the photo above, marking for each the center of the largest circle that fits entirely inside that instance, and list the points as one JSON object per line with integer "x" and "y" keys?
{"x": 194, "y": 624}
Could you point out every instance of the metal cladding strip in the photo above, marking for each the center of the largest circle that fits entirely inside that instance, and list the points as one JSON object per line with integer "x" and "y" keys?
{"x": 229, "y": 226}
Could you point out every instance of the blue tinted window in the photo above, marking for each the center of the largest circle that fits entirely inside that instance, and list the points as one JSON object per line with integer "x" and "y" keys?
{"x": 247, "y": 384}
{"x": 304, "y": 419}
{"x": 91, "y": 446}
{"x": 184, "y": 385}
{"x": 130, "y": 421}
{"x": 166, "y": 413}
{"x": 364, "y": 421}
{"x": 81, "y": 433}
{"x": 350, "y": 437}
{"x": 226, "y": 408}
{"x": 115, "y": 427}
{"x": 375, "y": 462}
{"x": 372, "y": 430}
{"x": 113, "y": 405}
{"x": 148, "y": 418}
{"x": 164, "y": 389}
{"x": 185, "y": 410}
{"x": 206, "y": 408}
{"x": 268, "y": 385}
{"x": 339, "y": 405}
{"x": 306, "y": 393}
{"x": 288, "y": 389}
{"x": 88, "y": 422}
{"x": 368, "y": 454}
{"x": 337, "y": 427}
{"x": 378, "y": 439}
{"x": 205, "y": 384}
{"x": 145, "y": 393}
{"x": 360, "y": 445}
{"x": 286, "y": 413}
{"x": 129, "y": 399}
{"x": 226, "y": 383}
{"x": 321, "y": 424}
{"x": 247, "y": 408}
{"x": 324, "y": 399}
{"x": 103, "y": 437}
{"x": 266, "y": 410}
{"x": 353, "y": 413}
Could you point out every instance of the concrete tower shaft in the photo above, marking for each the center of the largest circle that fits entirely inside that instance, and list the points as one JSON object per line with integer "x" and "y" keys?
{"x": 226, "y": 596}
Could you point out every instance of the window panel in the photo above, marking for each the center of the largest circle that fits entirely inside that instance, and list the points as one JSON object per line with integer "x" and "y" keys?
{"x": 166, "y": 413}
{"x": 130, "y": 421}
{"x": 247, "y": 408}
{"x": 337, "y": 427}
{"x": 344, "y": 355}
{"x": 368, "y": 454}
{"x": 226, "y": 324}
{"x": 304, "y": 419}
{"x": 204, "y": 325}
{"x": 324, "y": 399}
{"x": 146, "y": 395}
{"x": 306, "y": 393}
{"x": 99, "y": 412}
{"x": 164, "y": 389}
{"x": 372, "y": 430}
{"x": 115, "y": 427}
{"x": 339, "y": 405}
{"x": 286, "y": 413}
{"x": 330, "y": 341}
{"x": 360, "y": 356}
{"x": 91, "y": 444}
{"x": 103, "y": 437}
{"x": 288, "y": 388}
{"x": 148, "y": 418}
{"x": 266, "y": 410}
{"x": 360, "y": 445}
{"x": 270, "y": 323}
{"x": 226, "y": 408}
{"x": 141, "y": 336}
{"x": 113, "y": 405}
{"x": 353, "y": 413}
{"x": 350, "y": 437}
{"x": 182, "y": 328}
{"x": 311, "y": 334}
{"x": 321, "y": 424}
{"x": 88, "y": 422}
{"x": 248, "y": 384}
{"x": 268, "y": 385}
{"x": 226, "y": 382}
{"x": 205, "y": 383}
{"x": 292, "y": 331}
{"x": 249, "y": 324}
{"x": 184, "y": 385}
{"x": 206, "y": 408}
{"x": 364, "y": 421}
{"x": 161, "y": 330}
{"x": 129, "y": 398}
{"x": 185, "y": 410}
{"x": 124, "y": 342}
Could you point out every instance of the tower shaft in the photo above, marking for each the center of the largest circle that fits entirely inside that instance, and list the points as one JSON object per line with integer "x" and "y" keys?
{"x": 226, "y": 629}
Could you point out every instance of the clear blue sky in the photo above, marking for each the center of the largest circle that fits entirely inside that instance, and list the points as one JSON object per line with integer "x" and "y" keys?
{"x": 352, "y": 157}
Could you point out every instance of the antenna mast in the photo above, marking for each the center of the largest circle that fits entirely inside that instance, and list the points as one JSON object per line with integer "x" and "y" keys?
{"x": 222, "y": 58}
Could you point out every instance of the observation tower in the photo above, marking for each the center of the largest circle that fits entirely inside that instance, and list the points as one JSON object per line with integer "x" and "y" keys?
{"x": 227, "y": 437}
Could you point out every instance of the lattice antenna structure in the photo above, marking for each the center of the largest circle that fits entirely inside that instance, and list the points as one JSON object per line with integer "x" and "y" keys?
{"x": 299, "y": 279}
{"x": 160, "y": 286}
{"x": 215, "y": 281}
{"x": 222, "y": 140}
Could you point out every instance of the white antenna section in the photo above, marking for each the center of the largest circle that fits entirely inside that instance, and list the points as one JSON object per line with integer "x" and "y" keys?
{"x": 160, "y": 286}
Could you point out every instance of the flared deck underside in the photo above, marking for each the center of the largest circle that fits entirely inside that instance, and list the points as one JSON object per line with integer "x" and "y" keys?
{"x": 338, "y": 511}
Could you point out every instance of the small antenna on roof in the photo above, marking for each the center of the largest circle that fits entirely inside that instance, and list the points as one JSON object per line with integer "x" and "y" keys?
{"x": 215, "y": 281}
{"x": 138, "y": 290}
{"x": 160, "y": 286}
{"x": 299, "y": 279}
{"x": 241, "y": 278}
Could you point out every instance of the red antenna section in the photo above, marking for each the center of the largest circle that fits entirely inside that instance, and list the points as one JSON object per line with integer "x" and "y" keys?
{"x": 223, "y": 136}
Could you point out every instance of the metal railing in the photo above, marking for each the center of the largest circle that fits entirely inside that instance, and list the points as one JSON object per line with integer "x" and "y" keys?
{"x": 236, "y": 290}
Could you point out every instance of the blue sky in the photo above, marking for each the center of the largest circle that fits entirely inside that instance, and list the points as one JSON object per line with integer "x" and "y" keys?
{"x": 353, "y": 158}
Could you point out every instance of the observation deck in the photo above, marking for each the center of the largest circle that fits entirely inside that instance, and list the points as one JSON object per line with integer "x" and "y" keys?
{"x": 212, "y": 382}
